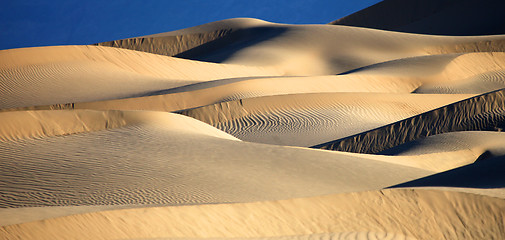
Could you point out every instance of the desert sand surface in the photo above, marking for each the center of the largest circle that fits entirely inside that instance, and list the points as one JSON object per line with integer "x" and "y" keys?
{"x": 296, "y": 218}
{"x": 247, "y": 129}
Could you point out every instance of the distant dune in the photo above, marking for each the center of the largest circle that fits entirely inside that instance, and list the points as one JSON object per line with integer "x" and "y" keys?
{"x": 246, "y": 129}
{"x": 448, "y": 17}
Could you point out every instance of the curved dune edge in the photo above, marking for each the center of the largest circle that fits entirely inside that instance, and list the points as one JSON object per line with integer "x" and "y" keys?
{"x": 445, "y": 151}
{"x": 477, "y": 73}
{"x": 398, "y": 211}
{"x": 19, "y": 125}
{"x": 483, "y": 112}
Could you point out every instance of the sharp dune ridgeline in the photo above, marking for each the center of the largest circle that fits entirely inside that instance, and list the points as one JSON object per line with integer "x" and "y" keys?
{"x": 367, "y": 128}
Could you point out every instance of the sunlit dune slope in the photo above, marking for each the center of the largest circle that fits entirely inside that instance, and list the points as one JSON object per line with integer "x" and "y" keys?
{"x": 389, "y": 214}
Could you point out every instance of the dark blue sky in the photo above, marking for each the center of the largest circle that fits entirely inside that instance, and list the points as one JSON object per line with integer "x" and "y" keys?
{"x": 28, "y": 23}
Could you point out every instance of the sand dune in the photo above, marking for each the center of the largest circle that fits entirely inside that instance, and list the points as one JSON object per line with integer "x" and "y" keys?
{"x": 185, "y": 165}
{"x": 68, "y": 74}
{"x": 471, "y": 73}
{"x": 394, "y": 63}
{"x": 21, "y": 125}
{"x": 204, "y": 133}
{"x": 444, "y": 73}
{"x": 484, "y": 174}
{"x": 176, "y": 42}
{"x": 63, "y": 153}
{"x": 342, "y": 214}
{"x": 483, "y": 112}
{"x": 332, "y": 49}
{"x": 311, "y": 119}
{"x": 455, "y": 141}
{"x": 449, "y": 17}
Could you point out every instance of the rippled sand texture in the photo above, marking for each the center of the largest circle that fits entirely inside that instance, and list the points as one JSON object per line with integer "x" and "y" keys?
{"x": 246, "y": 129}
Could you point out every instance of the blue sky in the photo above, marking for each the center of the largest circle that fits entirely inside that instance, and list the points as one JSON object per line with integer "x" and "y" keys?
{"x": 29, "y": 23}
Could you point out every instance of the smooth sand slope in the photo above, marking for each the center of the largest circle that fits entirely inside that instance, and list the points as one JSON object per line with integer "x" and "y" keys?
{"x": 386, "y": 214}
{"x": 95, "y": 144}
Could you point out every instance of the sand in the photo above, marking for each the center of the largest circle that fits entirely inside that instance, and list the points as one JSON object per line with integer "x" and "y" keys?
{"x": 310, "y": 119}
{"x": 246, "y": 129}
{"x": 343, "y": 215}
{"x": 68, "y": 74}
{"x": 105, "y": 167}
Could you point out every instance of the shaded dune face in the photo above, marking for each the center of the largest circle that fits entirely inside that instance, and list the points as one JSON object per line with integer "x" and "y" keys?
{"x": 431, "y": 17}
{"x": 245, "y": 129}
